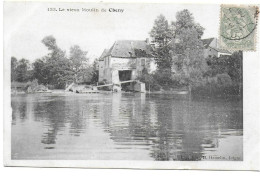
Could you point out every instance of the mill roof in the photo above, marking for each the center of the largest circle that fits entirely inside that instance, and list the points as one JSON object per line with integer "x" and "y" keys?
{"x": 129, "y": 49}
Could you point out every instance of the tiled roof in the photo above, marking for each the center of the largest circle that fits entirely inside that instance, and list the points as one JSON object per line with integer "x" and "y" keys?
{"x": 129, "y": 49}
{"x": 206, "y": 42}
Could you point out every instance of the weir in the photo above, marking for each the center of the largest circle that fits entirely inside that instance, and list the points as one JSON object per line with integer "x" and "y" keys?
{"x": 136, "y": 86}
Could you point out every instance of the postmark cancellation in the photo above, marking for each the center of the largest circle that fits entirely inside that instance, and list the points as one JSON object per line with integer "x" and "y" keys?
{"x": 238, "y": 25}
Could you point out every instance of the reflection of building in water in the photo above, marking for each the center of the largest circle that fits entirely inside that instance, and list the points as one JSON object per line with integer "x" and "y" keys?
{"x": 153, "y": 113}
{"x": 128, "y": 124}
{"x": 105, "y": 113}
{"x": 117, "y": 113}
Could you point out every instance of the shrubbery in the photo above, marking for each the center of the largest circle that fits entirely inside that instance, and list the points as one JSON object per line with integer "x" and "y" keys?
{"x": 33, "y": 87}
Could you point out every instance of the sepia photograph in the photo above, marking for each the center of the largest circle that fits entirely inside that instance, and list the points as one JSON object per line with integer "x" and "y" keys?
{"x": 126, "y": 82}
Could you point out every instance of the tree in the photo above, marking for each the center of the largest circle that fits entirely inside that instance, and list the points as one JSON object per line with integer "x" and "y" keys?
{"x": 78, "y": 59}
{"x": 22, "y": 70}
{"x": 56, "y": 68}
{"x": 161, "y": 32}
{"x": 234, "y": 65}
{"x": 188, "y": 57}
{"x": 179, "y": 49}
{"x": 95, "y": 72}
{"x": 231, "y": 65}
{"x": 50, "y": 43}
{"x": 187, "y": 50}
{"x": 185, "y": 20}
{"x": 41, "y": 72}
{"x": 14, "y": 64}
{"x": 162, "y": 35}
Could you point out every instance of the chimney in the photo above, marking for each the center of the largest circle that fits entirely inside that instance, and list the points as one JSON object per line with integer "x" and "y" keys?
{"x": 147, "y": 41}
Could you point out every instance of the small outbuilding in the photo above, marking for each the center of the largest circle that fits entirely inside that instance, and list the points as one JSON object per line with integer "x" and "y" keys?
{"x": 211, "y": 48}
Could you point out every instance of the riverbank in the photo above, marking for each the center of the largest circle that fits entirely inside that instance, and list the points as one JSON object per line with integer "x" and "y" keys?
{"x": 205, "y": 91}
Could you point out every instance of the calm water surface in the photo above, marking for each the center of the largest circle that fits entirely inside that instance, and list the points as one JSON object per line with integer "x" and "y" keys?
{"x": 126, "y": 126}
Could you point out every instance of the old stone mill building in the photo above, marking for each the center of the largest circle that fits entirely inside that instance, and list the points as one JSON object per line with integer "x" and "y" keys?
{"x": 125, "y": 61}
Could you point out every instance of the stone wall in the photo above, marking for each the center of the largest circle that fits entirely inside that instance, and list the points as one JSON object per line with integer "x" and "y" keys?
{"x": 110, "y": 67}
{"x": 123, "y": 63}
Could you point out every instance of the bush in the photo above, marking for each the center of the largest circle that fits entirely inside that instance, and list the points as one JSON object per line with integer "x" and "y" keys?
{"x": 51, "y": 87}
{"x": 150, "y": 82}
{"x": 155, "y": 87}
{"x": 33, "y": 87}
{"x": 167, "y": 80}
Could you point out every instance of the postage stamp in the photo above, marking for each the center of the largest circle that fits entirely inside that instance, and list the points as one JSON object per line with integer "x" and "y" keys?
{"x": 238, "y": 27}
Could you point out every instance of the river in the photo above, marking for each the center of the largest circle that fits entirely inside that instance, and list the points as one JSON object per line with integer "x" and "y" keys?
{"x": 126, "y": 126}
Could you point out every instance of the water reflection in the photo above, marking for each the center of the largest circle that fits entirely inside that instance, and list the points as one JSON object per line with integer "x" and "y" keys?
{"x": 127, "y": 126}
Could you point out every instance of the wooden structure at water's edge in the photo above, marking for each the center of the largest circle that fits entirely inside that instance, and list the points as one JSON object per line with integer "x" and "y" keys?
{"x": 135, "y": 86}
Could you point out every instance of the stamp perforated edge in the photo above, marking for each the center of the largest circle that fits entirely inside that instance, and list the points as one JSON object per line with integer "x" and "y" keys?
{"x": 255, "y": 31}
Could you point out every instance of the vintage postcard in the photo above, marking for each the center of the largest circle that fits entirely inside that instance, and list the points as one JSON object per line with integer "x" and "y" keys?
{"x": 131, "y": 85}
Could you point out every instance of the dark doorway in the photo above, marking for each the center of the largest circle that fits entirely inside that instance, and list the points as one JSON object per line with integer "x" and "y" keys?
{"x": 125, "y": 75}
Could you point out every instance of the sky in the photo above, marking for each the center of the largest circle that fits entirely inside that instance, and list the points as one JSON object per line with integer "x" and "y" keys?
{"x": 27, "y": 23}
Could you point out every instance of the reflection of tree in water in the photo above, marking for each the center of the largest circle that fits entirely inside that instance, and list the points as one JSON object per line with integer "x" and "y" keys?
{"x": 179, "y": 131}
{"x": 174, "y": 128}
{"x": 185, "y": 130}
{"x": 18, "y": 111}
{"x": 55, "y": 120}
{"x": 192, "y": 132}
{"x": 72, "y": 111}
{"x": 76, "y": 112}
{"x": 21, "y": 107}
{"x": 169, "y": 127}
